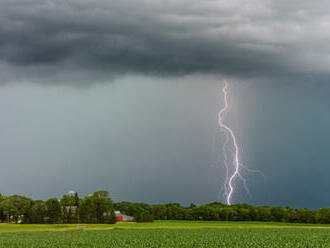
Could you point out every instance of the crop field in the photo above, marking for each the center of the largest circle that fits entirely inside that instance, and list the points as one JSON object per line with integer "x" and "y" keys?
{"x": 167, "y": 234}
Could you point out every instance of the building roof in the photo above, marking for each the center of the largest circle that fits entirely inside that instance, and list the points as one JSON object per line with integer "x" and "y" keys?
{"x": 117, "y": 213}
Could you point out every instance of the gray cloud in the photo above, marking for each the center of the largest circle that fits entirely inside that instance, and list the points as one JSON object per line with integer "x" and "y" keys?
{"x": 88, "y": 41}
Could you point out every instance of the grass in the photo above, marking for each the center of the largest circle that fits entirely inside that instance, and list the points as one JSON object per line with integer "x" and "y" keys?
{"x": 183, "y": 234}
{"x": 5, "y": 228}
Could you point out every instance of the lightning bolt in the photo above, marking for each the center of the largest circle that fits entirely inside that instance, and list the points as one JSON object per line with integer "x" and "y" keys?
{"x": 231, "y": 159}
{"x": 236, "y": 164}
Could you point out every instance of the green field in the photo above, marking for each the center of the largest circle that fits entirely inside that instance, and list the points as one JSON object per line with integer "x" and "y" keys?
{"x": 167, "y": 234}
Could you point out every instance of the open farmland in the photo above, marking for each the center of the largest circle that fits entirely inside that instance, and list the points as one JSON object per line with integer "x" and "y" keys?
{"x": 167, "y": 234}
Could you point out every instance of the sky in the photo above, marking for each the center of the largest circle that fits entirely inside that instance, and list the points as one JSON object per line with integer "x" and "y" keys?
{"x": 124, "y": 96}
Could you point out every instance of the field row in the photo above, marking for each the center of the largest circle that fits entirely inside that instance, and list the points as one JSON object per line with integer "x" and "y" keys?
{"x": 174, "y": 238}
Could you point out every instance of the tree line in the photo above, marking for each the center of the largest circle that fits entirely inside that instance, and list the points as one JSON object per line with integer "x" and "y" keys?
{"x": 95, "y": 208}
{"x": 99, "y": 208}
{"x": 220, "y": 212}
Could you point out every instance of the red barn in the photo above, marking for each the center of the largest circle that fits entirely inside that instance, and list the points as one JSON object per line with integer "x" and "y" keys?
{"x": 123, "y": 217}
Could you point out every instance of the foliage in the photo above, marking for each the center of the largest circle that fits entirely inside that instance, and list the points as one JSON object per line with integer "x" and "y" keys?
{"x": 53, "y": 209}
{"x": 15, "y": 206}
{"x": 141, "y": 212}
{"x": 37, "y": 214}
{"x": 68, "y": 200}
{"x": 216, "y": 211}
{"x": 97, "y": 208}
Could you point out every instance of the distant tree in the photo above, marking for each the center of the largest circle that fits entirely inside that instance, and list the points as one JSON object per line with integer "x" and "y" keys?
{"x": 324, "y": 217}
{"x": 101, "y": 194}
{"x": 76, "y": 199}
{"x": 69, "y": 207}
{"x": 15, "y": 207}
{"x": 104, "y": 207}
{"x": 76, "y": 203}
{"x": 2, "y": 214}
{"x": 265, "y": 213}
{"x": 174, "y": 211}
{"x": 188, "y": 214}
{"x": 38, "y": 212}
{"x": 159, "y": 212}
{"x": 219, "y": 205}
{"x": 8, "y": 209}
{"x": 87, "y": 210}
{"x": 243, "y": 212}
{"x": 54, "y": 211}
{"x": 68, "y": 200}
{"x": 192, "y": 205}
{"x": 111, "y": 218}
{"x": 290, "y": 215}
{"x": 139, "y": 211}
{"x": 97, "y": 208}
{"x": 144, "y": 216}
{"x": 278, "y": 214}
{"x": 305, "y": 215}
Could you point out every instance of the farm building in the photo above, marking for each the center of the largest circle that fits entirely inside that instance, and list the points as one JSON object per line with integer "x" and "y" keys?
{"x": 123, "y": 217}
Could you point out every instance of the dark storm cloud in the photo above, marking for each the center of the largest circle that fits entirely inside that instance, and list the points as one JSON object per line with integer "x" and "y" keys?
{"x": 72, "y": 40}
